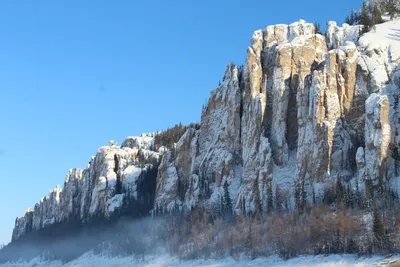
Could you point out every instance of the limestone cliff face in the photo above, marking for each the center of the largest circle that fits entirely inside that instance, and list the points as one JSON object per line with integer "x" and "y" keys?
{"x": 107, "y": 185}
{"x": 303, "y": 111}
{"x": 202, "y": 161}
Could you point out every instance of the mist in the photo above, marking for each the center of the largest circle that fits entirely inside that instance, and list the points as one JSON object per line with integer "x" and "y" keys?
{"x": 126, "y": 236}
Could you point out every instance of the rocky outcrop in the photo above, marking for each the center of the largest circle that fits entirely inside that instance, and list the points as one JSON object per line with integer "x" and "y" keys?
{"x": 337, "y": 36}
{"x": 377, "y": 134}
{"x": 304, "y": 111}
{"x": 308, "y": 116}
{"x": 23, "y": 224}
{"x": 204, "y": 160}
{"x": 107, "y": 185}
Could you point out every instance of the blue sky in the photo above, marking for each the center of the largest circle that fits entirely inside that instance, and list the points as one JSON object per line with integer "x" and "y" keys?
{"x": 75, "y": 74}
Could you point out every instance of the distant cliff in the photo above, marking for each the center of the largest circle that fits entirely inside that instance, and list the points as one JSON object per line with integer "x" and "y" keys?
{"x": 119, "y": 179}
{"x": 304, "y": 111}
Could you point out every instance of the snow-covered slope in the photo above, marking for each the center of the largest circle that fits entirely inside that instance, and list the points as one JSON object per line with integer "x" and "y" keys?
{"x": 304, "y": 110}
{"x": 385, "y": 36}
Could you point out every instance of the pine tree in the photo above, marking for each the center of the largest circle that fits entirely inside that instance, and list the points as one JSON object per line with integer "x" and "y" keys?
{"x": 317, "y": 27}
{"x": 378, "y": 229}
{"x": 118, "y": 186}
{"x": 243, "y": 206}
{"x": 339, "y": 190}
{"x": 377, "y": 15}
{"x": 355, "y": 17}
{"x": 351, "y": 247}
{"x": 390, "y": 6}
{"x": 221, "y": 206}
{"x": 270, "y": 204}
{"x": 369, "y": 192}
{"x": 349, "y": 197}
{"x": 257, "y": 199}
{"x": 227, "y": 201}
{"x": 313, "y": 195}
{"x": 348, "y": 20}
{"x": 303, "y": 194}
{"x": 278, "y": 198}
{"x": 365, "y": 19}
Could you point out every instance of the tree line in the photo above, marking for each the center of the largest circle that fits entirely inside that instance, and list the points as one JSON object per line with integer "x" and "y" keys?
{"x": 172, "y": 135}
{"x": 370, "y": 13}
{"x": 343, "y": 220}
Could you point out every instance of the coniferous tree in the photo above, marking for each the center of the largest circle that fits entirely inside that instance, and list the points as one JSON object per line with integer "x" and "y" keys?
{"x": 390, "y": 6}
{"x": 172, "y": 135}
{"x": 369, "y": 192}
{"x": 243, "y": 206}
{"x": 317, "y": 27}
{"x": 118, "y": 186}
{"x": 313, "y": 196}
{"x": 348, "y": 20}
{"x": 339, "y": 190}
{"x": 221, "y": 206}
{"x": 227, "y": 201}
{"x": 365, "y": 19}
{"x": 353, "y": 18}
{"x": 349, "y": 197}
{"x": 278, "y": 198}
{"x": 377, "y": 15}
{"x": 303, "y": 194}
{"x": 257, "y": 199}
{"x": 270, "y": 206}
{"x": 378, "y": 229}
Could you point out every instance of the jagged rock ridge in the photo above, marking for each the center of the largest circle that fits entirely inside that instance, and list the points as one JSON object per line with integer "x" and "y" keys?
{"x": 303, "y": 111}
{"x": 109, "y": 183}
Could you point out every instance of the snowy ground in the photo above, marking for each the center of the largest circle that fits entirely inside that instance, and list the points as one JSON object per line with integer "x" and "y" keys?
{"x": 384, "y": 35}
{"x": 158, "y": 261}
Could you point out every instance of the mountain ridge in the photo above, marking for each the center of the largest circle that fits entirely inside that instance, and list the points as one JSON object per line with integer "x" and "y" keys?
{"x": 305, "y": 110}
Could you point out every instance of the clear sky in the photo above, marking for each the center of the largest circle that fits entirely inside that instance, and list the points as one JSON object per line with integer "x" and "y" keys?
{"x": 75, "y": 74}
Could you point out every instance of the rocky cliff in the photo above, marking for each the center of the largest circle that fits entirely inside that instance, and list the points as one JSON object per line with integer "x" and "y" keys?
{"x": 117, "y": 178}
{"x": 304, "y": 111}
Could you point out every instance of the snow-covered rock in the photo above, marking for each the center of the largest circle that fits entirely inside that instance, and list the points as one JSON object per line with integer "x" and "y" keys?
{"x": 305, "y": 114}
{"x": 202, "y": 161}
{"x": 377, "y": 134}
{"x": 337, "y": 36}
{"x": 303, "y": 111}
{"x": 109, "y": 182}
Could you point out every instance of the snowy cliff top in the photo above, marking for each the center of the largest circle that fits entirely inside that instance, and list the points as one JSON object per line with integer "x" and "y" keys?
{"x": 384, "y": 36}
{"x": 143, "y": 141}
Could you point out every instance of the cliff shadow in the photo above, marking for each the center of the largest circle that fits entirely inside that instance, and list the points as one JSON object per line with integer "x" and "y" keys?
{"x": 394, "y": 34}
